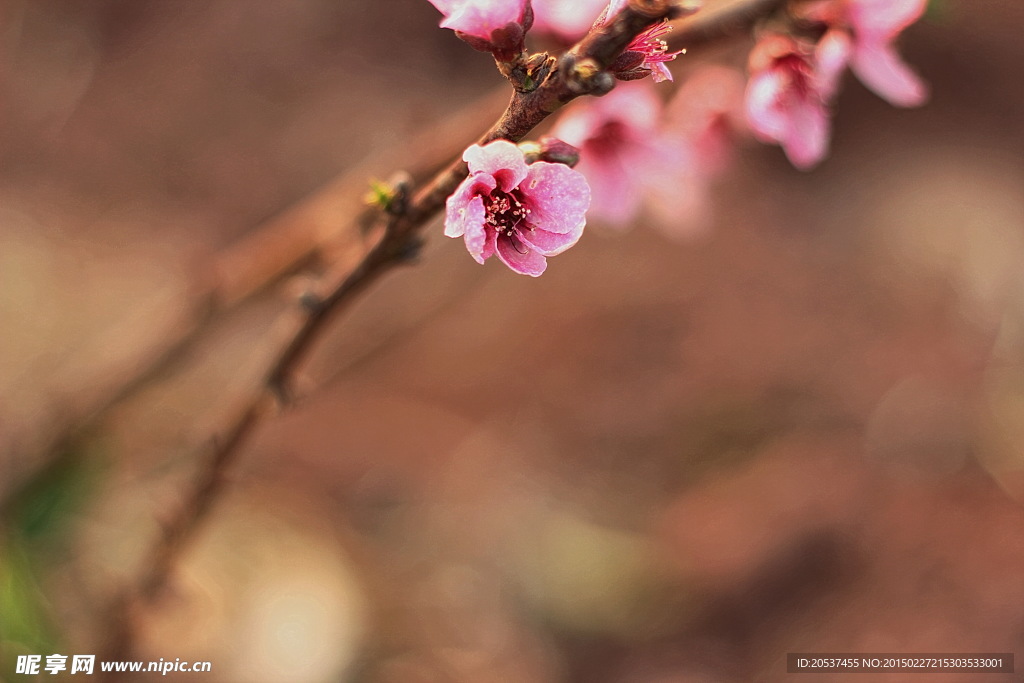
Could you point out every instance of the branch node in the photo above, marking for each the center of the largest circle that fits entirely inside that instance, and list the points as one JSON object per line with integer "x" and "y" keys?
{"x": 310, "y": 301}
{"x": 584, "y": 76}
{"x": 409, "y": 250}
{"x": 278, "y": 388}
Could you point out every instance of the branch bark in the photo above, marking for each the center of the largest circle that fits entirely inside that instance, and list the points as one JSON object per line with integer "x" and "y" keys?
{"x": 721, "y": 24}
{"x": 391, "y": 241}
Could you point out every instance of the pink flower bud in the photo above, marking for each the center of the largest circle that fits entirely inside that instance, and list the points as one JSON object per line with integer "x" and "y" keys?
{"x": 550, "y": 149}
{"x": 497, "y": 26}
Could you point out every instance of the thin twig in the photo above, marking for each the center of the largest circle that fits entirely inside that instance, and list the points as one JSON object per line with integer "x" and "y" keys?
{"x": 388, "y": 244}
{"x": 319, "y": 229}
{"x": 710, "y": 27}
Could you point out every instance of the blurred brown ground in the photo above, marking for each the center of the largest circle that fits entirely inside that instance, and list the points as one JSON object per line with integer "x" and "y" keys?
{"x": 662, "y": 461}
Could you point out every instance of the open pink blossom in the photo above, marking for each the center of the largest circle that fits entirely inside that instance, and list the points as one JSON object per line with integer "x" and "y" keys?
{"x": 872, "y": 27}
{"x": 523, "y": 213}
{"x": 789, "y": 94}
{"x": 488, "y": 25}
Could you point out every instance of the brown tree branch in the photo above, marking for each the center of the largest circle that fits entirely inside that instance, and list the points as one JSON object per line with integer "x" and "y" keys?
{"x": 318, "y": 230}
{"x": 300, "y": 235}
{"x": 713, "y": 26}
{"x": 391, "y": 241}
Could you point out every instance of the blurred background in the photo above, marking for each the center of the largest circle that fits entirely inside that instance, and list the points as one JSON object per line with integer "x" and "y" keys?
{"x": 668, "y": 459}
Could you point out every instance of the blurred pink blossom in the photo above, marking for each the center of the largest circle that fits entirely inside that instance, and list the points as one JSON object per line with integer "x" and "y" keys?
{"x": 707, "y": 111}
{"x": 705, "y": 117}
{"x": 633, "y": 157}
{"x": 872, "y": 26}
{"x": 617, "y": 136}
{"x": 790, "y": 89}
{"x": 523, "y": 213}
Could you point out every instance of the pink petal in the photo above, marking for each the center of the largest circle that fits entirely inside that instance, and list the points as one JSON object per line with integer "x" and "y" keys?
{"x": 531, "y": 263}
{"x": 633, "y": 104}
{"x": 708, "y": 112}
{"x": 831, "y": 57}
{"x": 551, "y": 243}
{"x": 880, "y": 68}
{"x": 501, "y": 159}
{"x": 660, "y": 72}
{"x": 617, "y": 137}
{"x": 764, "y": 113}
{"x": 615, "y": 198}
{"x": 557, "y": 195}
{"x": 616, "y": 6}
{"x": 488, "y": 250}
{"x": 475, "y": 234}
{"x": 875, "y": 19}
{"x": 445, "y": 7}
{"x": 806, "y": 140}
{"x": 479, "y": 17}
{"x": 464, "y": 207}
{"x": 673, "y": 187}
{"x": 568, "y": 19}
{"x": 609, "y": 12}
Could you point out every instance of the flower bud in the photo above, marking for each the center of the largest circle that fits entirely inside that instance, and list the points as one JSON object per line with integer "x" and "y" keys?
{"x": 495, "y": 26}
{"x": 550, "y": 149}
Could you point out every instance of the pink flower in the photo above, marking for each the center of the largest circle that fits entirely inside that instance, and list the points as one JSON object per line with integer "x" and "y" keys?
{"x": 789, "y": 93}
{"x": 633, "y": 158}
{"x": 707, "y": 110}
{"x": 488, "y": 25}
{"x": 570, "y": 20}
{"x": 523, "y": 213}
{"x": 648, "y": 52}
{"x": 616, "y": 138}
{"x": 567, "y": 20}
{"x": 872, "y": 26}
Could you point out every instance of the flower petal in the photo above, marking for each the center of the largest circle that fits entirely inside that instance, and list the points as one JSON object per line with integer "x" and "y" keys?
{"x": 878, "y": 19}
{"x": 616, "y": 181}
{"x": 464, "y": 207}
{"x": 557, "y": 196}
{"x": 551, "y": 243}
{"x": 660, "y": 72}
{"x": 445, "y": 7}
{"x": 764, "y": 113}
{"x": 479, "y": 18}
{"x": 880, "y": 68}
{"x": 476, "y": 233}
{"x": 501, "y": 159}
{"x": 530, "y": 263}
{"x": 806, "y": 140}
{"x": 831, "y": 56}
{"x": 568, "y": 19}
